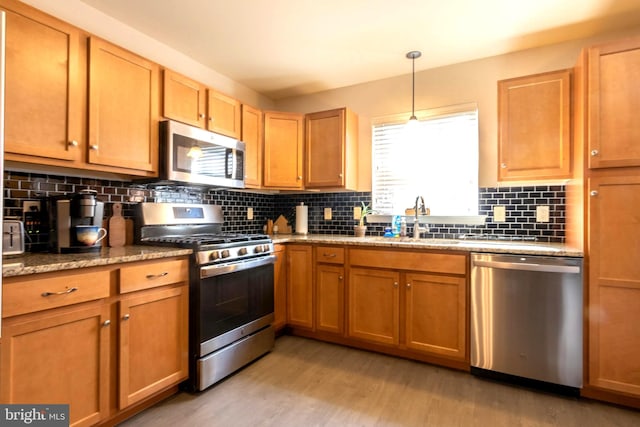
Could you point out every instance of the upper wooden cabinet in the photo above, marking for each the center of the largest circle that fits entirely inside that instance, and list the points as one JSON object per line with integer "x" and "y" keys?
{"x": 613, "y": 104}
{"x": 188, "y": 101}
{"x": 45, "y": 90}
{"x": 123, "y": 109}
{"x": 283, "y": 147}
{"x": 331, "y": 155}
{"x": 223, "y": 114}
{"x": 534, "y": 132}
{"x": 252, "y": 131}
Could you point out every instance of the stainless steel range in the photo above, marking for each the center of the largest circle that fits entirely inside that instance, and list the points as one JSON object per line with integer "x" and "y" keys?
{"x": 231, "y": 286}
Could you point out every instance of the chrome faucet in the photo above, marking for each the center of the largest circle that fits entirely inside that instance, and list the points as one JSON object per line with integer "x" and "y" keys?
{"x": 417, "y": 230}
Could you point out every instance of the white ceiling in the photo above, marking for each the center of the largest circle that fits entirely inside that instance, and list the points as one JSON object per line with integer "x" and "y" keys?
{"x": 284, "y": 48}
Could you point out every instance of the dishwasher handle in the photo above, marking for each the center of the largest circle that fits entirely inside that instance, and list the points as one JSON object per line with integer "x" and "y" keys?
{"x": 526, "y": 266}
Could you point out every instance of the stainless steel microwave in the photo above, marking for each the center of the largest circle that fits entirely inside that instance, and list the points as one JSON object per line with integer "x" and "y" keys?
{"x": 196, "y": 156}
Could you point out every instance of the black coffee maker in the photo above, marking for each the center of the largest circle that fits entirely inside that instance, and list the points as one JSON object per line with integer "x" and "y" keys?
{"x": 66, "y": 214}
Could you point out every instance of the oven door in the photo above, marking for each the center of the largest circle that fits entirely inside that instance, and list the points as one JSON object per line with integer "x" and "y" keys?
{"x": 235, "y": 300}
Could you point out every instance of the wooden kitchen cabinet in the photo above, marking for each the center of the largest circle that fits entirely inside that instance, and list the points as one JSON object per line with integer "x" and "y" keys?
{"x": 534, "y": 127}
{"x": 613, "y": 104}
{"x": 44, "y": 88}
{"x": 329, "y": 289}
{"x": 331, "y": 149}
{"x": 280, "y": 288}
{"x": 283, "y": 148}
{"x": 300, "y": 293}
{"x": 252, "y": 136}
{"x": 614, "y": 285}
{"x": 123, "y": 109}
{"x": 224, "y": 114}
{"x": 184, "y": 100}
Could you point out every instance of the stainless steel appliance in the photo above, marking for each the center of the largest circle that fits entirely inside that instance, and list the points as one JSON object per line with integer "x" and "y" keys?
{"x": 198, "y": 157}
{"x": 526, "y": 318}
{"x": 68, "y": 212}
{"x": 231, "y": 287}
{"x": 12, "y": 237}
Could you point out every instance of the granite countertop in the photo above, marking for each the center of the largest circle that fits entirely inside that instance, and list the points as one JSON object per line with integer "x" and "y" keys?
{"x": 488, "y": 246}
{"x": 32, "y": 263}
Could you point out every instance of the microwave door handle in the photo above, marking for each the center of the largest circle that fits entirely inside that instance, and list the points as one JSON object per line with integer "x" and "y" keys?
{"x": 228, "y": 164}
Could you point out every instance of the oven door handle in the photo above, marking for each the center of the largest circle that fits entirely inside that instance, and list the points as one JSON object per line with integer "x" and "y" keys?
{"x": 216, "y": 270}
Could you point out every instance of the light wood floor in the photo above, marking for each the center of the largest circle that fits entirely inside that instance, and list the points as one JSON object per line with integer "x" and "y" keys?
{"x": 309, "y": 383}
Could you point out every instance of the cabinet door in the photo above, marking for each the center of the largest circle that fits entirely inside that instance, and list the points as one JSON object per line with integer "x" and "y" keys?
{"x": 436, "y": 314}
{"x": 614, "y": 284}
{"x": 184, "y": 100}
{"x": 613, "y": 104}
{"x": 374, "y": 305}
{"x": 283, "y": 145}
{"x": 153, "y": 342}
{"x": 223, "y": 114}
{"x": 280, "y": 288}
{"x": 123, "y": 109}
{"x": 44, "y": 90}
{"x": 299, "y": 286}
{"x": 330, "y": 298}
{"x": 59, "y": 358}
{"x": 252, "y": 137}
{"x": 325, "y": 149}
{"x": 534, "y": 133}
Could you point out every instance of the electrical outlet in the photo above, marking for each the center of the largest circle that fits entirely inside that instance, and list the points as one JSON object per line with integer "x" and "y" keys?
{"x": 249, "y": 214}
{"x": 31, "y": 206}
{"x": 327, "y": 214}
{"x": 542, "y": 214}
{"x": 499, "y": 214}
{"x": 357, "y": 212}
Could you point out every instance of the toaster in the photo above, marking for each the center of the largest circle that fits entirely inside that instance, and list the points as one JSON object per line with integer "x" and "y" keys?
{"x": 12, "y": 237}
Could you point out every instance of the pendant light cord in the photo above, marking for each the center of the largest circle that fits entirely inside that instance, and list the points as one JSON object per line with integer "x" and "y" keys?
{"x": 413, "y": 55}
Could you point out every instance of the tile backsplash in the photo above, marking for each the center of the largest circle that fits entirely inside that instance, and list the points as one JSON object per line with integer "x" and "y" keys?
{"x": 520, "y": 204}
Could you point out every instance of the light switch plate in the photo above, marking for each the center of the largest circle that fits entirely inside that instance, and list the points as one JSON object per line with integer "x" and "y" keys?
{"x": 542, "y": 214}
{"x": 249, "y": 213}
{"x": 327, "y": 214}
{"x": 499, "y": 214}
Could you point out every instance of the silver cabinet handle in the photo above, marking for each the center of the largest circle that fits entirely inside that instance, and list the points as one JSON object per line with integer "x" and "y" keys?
{"x": 126, "y": 317}
{"x": 329, "y": 255}
{"x": 68, "y": 291}
{"x": 94, "y": 147}
{"x": 157, "y": 276}
{"x": 594, "y": 152}
{"x": 106, "y": 322}
{"x": 73, "y": 143}
{"x": 594, "y": 193}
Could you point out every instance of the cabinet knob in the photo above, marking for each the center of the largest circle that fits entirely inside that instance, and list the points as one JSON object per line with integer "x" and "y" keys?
{"x": 594, "y": 193}
{"x": 106, "y": 322}
{"x": 595, "y": 152}
{"x": 201, "y": 116}
{"x": 126, "y": 316}
{"x": 408, "y": 285}
{"x": 94, "y": 147}
{"x": 210, "y": 118}
{"x": 395, "y": 284}
{"x": 73, "y": 143}
{"x": 339, "y": 277}
{"x": 299, "y": 178}
{"x": 503, "y": 165}
{"x": 340, "y": 175}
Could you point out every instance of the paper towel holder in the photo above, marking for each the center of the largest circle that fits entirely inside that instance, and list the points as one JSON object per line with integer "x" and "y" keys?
{"x": 302, "y": 216}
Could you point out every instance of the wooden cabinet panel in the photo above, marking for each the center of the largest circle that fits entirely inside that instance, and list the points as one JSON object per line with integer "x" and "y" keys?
{"x": 534, "y": 132}
{"x": 436, "y": 314}
{"x": 223, "y": 114}
{"x": 283, "y": 147}
{"x": 300, "y": 299}
{"x": 374, "y": 305}
{"x": 614, "y": 283}
{"x": 59, "y": 358}
{"x": 153, "y": 342}
{"x": 403, "y": 260}
{"x": 330, "y": 254}
{"x": 331, "y": 151}
{"x": 44, "y": 90}
{"x": 123, "y": 109}
{"x": 184, "y": 100}
{"x": 152, "y": 274}
{"x": 614, "y": 102}
{"x": 330, "y": 298}
{"x": 280, "y": 288}
{"x": 252, "y": 127}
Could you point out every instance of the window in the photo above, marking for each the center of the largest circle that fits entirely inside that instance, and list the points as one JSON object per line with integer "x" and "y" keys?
{"x": 439, "y": 161}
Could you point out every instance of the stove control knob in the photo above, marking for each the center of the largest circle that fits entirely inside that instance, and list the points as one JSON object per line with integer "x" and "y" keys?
{"x": 258, "y": 249}
{"x": 242, "y": 251}
{"x": 214, "y": 255}
{"x": 265, "y": 248}
{"x": 225, "y": 254}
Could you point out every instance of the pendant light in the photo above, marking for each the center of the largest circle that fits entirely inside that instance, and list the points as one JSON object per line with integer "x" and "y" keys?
{"x": 413, "y": 120}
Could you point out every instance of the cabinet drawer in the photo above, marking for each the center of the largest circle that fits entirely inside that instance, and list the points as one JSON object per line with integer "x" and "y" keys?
{"x": 331, "y": 254}
{"x": 415, "y": 261}
{"x": 42, "y": 292}
{"x": 152, "y": 274}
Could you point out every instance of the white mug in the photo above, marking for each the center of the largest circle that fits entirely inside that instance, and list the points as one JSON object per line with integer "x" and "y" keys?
{"x": 89, "y": 235}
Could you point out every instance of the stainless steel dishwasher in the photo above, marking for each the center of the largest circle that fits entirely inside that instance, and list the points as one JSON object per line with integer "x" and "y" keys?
{"x": 526, "y": 319}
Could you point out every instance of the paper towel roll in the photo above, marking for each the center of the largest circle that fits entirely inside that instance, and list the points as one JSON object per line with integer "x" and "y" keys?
{"x": 301, "y": 219}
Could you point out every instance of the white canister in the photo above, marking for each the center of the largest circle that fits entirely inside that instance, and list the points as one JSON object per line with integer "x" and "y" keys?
{"x": 302, "y": 219}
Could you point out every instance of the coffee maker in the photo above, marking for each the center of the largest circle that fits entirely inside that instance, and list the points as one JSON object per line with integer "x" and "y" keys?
{"x": 68, "y": 212}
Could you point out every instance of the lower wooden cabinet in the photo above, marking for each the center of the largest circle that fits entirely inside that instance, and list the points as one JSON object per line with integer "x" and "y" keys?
{"x": 279, "y": 288}
{"x": 329, "y": 298}
{"x": 300, "y": 286}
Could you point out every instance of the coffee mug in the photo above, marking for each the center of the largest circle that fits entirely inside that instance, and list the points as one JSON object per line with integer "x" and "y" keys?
{"x": 89, "y": 235}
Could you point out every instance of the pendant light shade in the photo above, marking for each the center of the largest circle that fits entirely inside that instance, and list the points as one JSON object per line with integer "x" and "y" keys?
{"x": 412, "y": 56}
